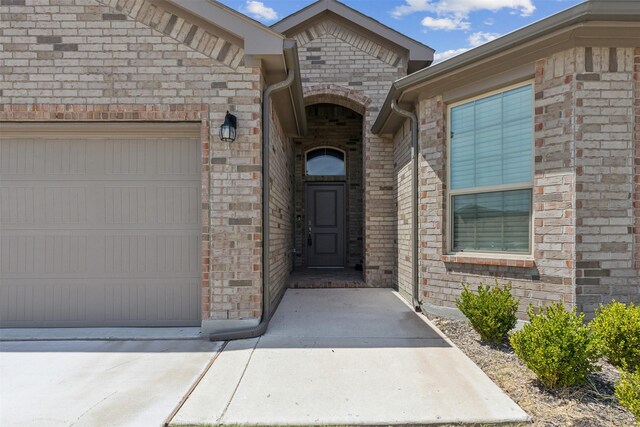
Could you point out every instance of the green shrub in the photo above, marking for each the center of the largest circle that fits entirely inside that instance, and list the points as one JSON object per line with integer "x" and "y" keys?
{"x": 617, "y": 328}
{"x": 491, "y": 312}
{"x": 628, "y": 392}
{"x": 557, "y": 346}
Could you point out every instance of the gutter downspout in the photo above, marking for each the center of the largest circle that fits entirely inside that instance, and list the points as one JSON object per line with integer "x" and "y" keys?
{"x": 415, "y": 297}
{"x": 261, "y": 328}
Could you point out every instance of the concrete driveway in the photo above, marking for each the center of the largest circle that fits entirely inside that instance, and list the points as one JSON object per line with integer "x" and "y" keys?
{"x": 97, "y": 383}
{"x": 346, "y": 357}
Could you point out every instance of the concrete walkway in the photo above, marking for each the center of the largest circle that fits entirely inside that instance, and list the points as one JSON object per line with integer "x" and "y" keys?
{"x": 97, "y": 383}
{"x": 346, "y": 357}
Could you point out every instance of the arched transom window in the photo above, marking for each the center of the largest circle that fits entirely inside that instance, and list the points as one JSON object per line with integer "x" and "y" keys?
{"x": 325, "y": 162}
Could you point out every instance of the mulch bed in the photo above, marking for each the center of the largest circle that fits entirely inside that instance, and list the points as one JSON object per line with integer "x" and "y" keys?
{"x": 592, "y": 404}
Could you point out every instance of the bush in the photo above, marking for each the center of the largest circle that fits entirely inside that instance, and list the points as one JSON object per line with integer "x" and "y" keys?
{"x": 617, "y": 328}
{"x": 628, "y": 392}
{"x": 557, "y": 347}
{"x": 491, "y": 312}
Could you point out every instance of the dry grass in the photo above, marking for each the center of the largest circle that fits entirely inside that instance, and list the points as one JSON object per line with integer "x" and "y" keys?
{"x": 592, "y": 404}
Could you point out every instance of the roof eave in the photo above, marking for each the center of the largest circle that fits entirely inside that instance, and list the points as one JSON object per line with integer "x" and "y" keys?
{"x": 588, "y": 11}
{"x": 258, "y": 38}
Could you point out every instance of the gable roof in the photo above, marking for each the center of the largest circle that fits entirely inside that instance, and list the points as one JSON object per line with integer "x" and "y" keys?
{"x": 562, "y": 30}
{"x": 258, "y": 38}
{"x": 420, "y": 55}
{"x": 276, "y": 54}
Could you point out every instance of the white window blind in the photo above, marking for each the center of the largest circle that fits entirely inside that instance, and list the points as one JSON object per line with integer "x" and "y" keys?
{"x": 492, "y": 222}
{"x": 491, "y": 140}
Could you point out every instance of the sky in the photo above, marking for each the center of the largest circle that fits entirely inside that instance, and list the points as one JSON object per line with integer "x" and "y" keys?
{"x": 448, "y": 26}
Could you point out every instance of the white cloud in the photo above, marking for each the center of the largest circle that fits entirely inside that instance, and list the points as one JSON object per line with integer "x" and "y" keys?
{"x": 488, "y": 21}
{"x": 441, "y": 56}
{"x": 412, "y": 6}
{"x": 446, "y": 24}
{"x": 481, "y": 37}
{"x": 258, "y": 10}
{"x": 475, "y": 40}
{"x": 462, "y": 7}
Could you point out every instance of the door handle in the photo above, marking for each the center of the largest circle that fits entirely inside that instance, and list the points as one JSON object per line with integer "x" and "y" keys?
{"x": 309, "y": 238}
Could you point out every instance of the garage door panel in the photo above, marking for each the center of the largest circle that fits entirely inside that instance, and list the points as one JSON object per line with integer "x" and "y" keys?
{"x": 20, "y": 158}
{"x": 17, "y": 205}
{"x": 126, "y": 205}
{"x": 41, "y": 254}
{"x": 177, "y": 205}
{"x": 100, "y": 232}
{"x": 65, "y": 157}
{"x": 127, "y": 157}
{"x": 176, "y": 159}
{"x": 111, "y": 302}
{"x": 61, "y": 254}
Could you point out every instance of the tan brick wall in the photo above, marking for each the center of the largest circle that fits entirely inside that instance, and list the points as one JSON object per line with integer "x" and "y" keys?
{"x": 583, "y": 189}
{"x": 84, "y": 53}
{"x": 332, "y": 55}
{"x": 281, "y": 210}
{"x": 554, "y": 181}
{"x": 636, "y": 157}
{"x": 549, "y": 277}
{"x": 605, "y": 92}
{"x": 403, "y": 170}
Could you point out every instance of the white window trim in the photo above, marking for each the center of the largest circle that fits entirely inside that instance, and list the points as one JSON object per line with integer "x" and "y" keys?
{"x": 489, "y": 189}
{"x": 344, "y": 158}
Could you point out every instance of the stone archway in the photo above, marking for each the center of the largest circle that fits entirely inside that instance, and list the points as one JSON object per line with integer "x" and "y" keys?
{"x": 339, "y": 95}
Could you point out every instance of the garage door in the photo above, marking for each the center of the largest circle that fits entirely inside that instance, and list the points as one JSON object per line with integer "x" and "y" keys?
{"x": 99, "y": 225}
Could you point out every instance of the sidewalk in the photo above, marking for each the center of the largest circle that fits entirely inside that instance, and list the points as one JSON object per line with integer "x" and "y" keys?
{"x": 345, "y": 357}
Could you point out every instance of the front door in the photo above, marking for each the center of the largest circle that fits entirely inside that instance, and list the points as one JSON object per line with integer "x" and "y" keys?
{"x": 325, "y": 225}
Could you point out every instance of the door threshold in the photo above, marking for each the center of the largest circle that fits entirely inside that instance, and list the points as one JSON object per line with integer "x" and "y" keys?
{"x": 326, "y": 268}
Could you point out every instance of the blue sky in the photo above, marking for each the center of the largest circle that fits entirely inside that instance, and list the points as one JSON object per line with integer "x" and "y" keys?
{"x": 448, "y": 26}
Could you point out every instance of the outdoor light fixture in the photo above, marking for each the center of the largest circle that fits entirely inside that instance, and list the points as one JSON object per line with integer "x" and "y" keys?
{"x": 228, "y": 128}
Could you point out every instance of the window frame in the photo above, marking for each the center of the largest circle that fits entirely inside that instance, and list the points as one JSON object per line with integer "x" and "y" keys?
{"x": 344, "y": 160}
{"x": 492, "y": 188}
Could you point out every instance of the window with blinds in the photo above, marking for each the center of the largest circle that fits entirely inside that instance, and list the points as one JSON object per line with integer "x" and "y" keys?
{"x": 491, "y": 172}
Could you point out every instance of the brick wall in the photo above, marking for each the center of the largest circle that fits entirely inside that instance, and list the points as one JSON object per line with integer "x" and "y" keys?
{"x": 636, "y": 157}
{"x": 549, "y": 276}
{"x": 333, "y": 56}
{"x": 605, "y": 91}
{"x": 583, "y": 226}
{"x": 333, "y": 126}
{"x": 281, "y": 208}
{"x": 403, "y": 169}
{"x": 87, "y": 53}
{"x": 554, "y": 182}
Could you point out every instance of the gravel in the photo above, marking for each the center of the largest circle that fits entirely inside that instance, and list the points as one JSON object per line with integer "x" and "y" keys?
{"x": 592, "y": 404}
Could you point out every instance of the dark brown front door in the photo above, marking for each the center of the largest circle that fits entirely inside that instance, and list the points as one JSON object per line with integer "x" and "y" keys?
{"x": 325, "y": 225}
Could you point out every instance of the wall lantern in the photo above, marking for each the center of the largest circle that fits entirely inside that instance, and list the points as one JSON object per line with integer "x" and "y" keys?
{"x": 228, "y": 128}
